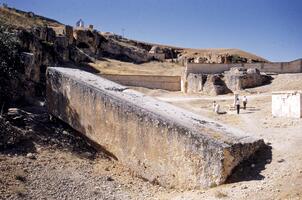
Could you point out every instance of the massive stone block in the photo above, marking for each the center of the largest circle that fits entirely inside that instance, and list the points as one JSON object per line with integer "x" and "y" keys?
{"x": 241, "y": 78}
{"x": 160, "y": 142}
{"x": 171, "y": 83}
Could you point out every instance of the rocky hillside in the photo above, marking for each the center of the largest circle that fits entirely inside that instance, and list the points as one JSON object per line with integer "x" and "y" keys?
{"x": 20, "y": 18}
{"x": 117, "y": 47}
{"x": 44, "y": 42}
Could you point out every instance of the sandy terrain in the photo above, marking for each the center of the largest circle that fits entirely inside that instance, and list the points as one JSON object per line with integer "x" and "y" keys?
{"x": 110, "y": 66}
{"x": 277, "y": 173}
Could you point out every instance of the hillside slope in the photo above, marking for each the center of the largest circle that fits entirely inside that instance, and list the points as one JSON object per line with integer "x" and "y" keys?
{"x": 125, "y": 49}
{"x": 24, "y": 19}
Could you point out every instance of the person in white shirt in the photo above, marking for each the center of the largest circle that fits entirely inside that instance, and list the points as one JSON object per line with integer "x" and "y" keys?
{"x": 237, "y": 103}
{"x": 244, "y": 102}
{"x": 217, "y": 107}
{"x": 214, "y": 105}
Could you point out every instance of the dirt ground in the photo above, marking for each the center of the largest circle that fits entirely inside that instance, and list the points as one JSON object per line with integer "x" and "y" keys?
{"x": 60, "y": 165}
{"x": 110, "y": 66}
{"x": 280, "y": 177}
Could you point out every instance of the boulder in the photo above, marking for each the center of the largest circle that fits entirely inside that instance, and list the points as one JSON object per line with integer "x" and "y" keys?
{"x": 215, "y": 85}
{"x": 240, "y": 78}
{"x": 196, "y": 82}
{"x": 156, "y": 140}
{"x": 61, "y": 47}
{"x": 69, "y": 34}
{"x": 204, "y": 83}
{"x": 88, "y": 41}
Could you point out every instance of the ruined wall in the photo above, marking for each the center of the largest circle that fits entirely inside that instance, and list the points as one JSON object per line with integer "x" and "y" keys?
{"x": 275, "y": 67}
{"x": 196, "y": 68}
{"x": 171, "y": 83}
{"x": 287, "y": 104}
{"x": 158, "y": 141}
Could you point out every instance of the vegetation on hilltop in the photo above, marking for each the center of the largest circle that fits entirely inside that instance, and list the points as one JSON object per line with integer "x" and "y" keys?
{"x": 21, "y": 19}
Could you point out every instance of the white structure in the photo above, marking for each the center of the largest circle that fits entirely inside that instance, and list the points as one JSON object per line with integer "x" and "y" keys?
{"x": 80, "y": 24}
{"x": 287, "y": 104}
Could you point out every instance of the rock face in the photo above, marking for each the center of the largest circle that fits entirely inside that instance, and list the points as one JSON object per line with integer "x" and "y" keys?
{"x": 215, "y": 84}
{"x": 240, "y": 78}
{"x": 196, "y": 82}
{"x": 158, "y": 141}
{"x": 209, "y": 84}
{"x": 123, "y": 51}
{"x": 88, "y": 41}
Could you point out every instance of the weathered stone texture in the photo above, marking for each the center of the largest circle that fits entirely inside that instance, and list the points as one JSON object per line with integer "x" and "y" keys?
{"x": 196, "y": 82}
{"x": 240, "y": 78}
{"x": 203, "y": 83}
{"x": 123, "y": 51}
{"x": 88, "y": 41}
{"x": 160, "y": 142}
{"x": 171, "y": 83}
{"x": 69, "y": 34}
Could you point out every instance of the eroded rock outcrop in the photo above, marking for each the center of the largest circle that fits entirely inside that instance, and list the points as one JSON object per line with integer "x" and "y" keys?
{"x": 113, "y": 48}
{"x": 240, "y": 78}
{"x": 207, "y": 84}
{"x": 230, "y": 81}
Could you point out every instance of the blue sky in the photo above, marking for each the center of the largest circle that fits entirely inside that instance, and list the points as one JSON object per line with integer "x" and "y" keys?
{"x": 268, "y": 28}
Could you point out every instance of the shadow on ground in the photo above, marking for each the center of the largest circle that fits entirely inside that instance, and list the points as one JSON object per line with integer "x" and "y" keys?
{"x": 82, "y": 66}
{"x": 251, "y": 168}
{"x": 30, "y": 126}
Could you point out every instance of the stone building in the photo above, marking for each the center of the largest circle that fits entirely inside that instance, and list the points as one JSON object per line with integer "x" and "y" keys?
{"x": 80, "y": 24}
{"x": 287, "y": 104}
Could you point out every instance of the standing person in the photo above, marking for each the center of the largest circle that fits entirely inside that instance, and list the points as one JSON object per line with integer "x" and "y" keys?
{"x": 217, "y": 107}
{"x": 214, "y": 105}
{"x": 244, "y": 102}
{"x": 237, "y": 103}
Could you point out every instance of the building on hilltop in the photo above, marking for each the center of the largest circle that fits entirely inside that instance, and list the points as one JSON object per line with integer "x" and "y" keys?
{"x": 80, "y": 23}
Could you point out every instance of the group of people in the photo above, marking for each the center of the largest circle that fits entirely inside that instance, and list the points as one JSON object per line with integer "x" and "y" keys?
{"x": 237, "y": 104}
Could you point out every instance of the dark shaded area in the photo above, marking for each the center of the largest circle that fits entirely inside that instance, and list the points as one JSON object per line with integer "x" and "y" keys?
{"x": 31, "y": 125}
{"x": 83, "y": 45}
{"x": 121, "y": 57}
{"x": 251, "y": 168}
{"x": 82, "y": 66}
{"x": 11, "y": 65}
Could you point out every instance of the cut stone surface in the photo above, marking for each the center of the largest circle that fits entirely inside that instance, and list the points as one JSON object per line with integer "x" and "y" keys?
{"x": 158, "y": 141}
{"x": 240, "y": 78}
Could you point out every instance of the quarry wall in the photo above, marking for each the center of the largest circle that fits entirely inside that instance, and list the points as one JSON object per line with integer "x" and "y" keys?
{"x": 171, "y": 83}
{"x": 275, "y": 67}
{"x": 165, "y": 144}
